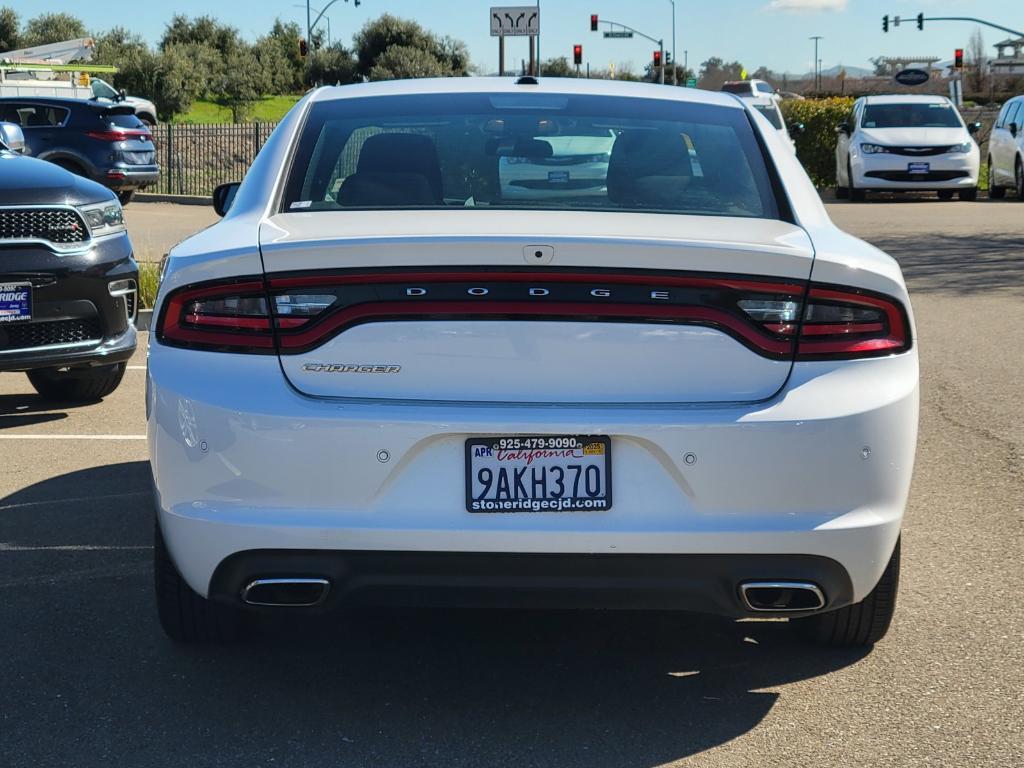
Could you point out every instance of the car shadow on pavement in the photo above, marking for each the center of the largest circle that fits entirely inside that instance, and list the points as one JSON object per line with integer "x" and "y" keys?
{"x": 88, "y": 674}
{"x": 20, "y": 410}
{"x": 960, "y": 264}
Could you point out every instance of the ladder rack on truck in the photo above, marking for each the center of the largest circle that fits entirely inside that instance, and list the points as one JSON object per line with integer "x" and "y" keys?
{"x": 69, "y": 81}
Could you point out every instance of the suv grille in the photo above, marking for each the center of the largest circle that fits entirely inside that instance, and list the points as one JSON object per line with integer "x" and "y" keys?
{"x": 60, "y": 226}
{"x": 27, "y": 335}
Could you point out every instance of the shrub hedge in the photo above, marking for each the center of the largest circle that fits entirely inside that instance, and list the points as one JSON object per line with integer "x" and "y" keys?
{"x": 816, "y": 147}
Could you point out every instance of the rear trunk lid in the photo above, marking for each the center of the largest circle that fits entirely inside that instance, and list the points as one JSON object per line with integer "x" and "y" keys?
{"x": 535, "y": 307}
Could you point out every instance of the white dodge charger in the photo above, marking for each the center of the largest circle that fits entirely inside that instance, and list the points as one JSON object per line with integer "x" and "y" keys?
{"x": 382, "y": 378}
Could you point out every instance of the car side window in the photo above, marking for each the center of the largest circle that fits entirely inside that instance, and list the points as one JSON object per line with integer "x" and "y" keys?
{"x": 1014, "y": 115}
{"x": 36, "y": 115}
{"x": 764, "y": 88}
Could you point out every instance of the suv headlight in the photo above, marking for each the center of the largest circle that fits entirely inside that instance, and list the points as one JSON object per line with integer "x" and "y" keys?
{"x": 959, "y": 149}
{"x": 873, "y": 149}
{"x": 103, "y": 218}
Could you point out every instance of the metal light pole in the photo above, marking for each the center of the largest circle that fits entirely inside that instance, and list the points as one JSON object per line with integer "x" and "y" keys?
{"x": 816, "y": 38}
{"x": 327, "y": 18}
{"x": 675, "y": 53}
{"x": 538, "y": 40}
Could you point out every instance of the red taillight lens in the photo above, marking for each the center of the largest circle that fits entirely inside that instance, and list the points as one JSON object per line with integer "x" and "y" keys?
{"x": 844, "y": 323}
{"x": 120, "y": 135}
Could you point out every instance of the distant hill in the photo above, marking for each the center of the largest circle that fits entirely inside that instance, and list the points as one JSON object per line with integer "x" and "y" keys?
{"x": 850, "y": 71}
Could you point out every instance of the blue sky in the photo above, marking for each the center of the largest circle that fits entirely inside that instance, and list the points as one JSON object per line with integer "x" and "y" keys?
{"x": 770, "y": 32}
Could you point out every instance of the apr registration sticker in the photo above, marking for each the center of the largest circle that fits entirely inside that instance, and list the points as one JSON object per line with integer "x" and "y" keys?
{"x": 15, "y": 302}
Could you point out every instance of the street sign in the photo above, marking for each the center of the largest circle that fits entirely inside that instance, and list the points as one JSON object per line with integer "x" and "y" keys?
{"x": 618, "y": 33}
{"x": 691, "y": 82}
{"x": 515, "y": 21}
{"x": 911, "y": 77}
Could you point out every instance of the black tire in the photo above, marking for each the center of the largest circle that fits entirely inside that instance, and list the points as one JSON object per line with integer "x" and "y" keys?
{"x": 1018, "y": 175}
{"x": 185, "y": 616}
{"x": 856, "y": 195}
{"x": 968, "y": 195}
{"x": 80, "y": 385}
{"x": 71, "y": 167}
{"x": 126, "y": 196}
{"x": 842, "y": 193}
{"x": 149, "y": 120}
{"x": 860, "y": 624}
{"x": 946, "y": 194}
{"x": 995, "y": 192}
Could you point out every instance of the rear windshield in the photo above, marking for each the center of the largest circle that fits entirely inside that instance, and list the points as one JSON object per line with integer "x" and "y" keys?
{"x": 910, "y": 116}
{"x": 535, "y": 151}
{"x": 771, "y": 112}
{"x": 118, "y": 120}
{"x": 742, "y": 88}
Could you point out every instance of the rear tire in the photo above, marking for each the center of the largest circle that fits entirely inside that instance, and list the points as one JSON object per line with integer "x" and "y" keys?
{"x": 71, "y": 167}
{"x": 185, "y": 616}
{"x": 860, "y": 624}
{"x": 995, "y": 192}
{"x": 126, "y": 197}
{"x": 842, "y": 193}
{"x": 945, "y": 194}
{"x": 77, "y": 386}
{"x": 1019, "y": 177}
{"x": 968, "y": 195}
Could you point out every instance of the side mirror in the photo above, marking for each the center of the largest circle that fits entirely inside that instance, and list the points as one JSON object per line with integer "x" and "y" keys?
{"x": 843, "y": 127}
{"x": 1013, "y": 129}
{"x": 796, "y": 129}
{"x": 12, "y": 137}
{"x": 224, "y": 196}
{"x": 122, "y": 95}
{"x": 973, "y": 128}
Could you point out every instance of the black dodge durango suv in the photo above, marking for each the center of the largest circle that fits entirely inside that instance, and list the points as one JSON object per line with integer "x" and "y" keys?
{"x": 68, "y": 279}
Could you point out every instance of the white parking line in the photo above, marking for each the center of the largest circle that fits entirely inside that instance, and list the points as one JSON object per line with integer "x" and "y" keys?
{"x": 72, "y": 437}
{"x": 136, "y": 367}
{"x": 5, "y": 547}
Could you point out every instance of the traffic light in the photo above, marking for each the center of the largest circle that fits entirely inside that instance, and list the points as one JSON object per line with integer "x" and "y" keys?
{"x": 668, "y": 58}
{"x": 657, "y": 59}
{"x": 593, "y": 22}
{"x": 577, "y": 54}
{"x": 885, "y": 23}
{"x": 920, "y": 21}
{"x": 303, "y": 48}
{"x": 958, "y": 58}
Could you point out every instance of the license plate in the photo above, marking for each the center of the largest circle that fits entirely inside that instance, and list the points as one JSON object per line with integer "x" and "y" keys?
{"x": 539, "y": 473}
{"x": 918, "y": 167}
{"x": 15, "y": 302}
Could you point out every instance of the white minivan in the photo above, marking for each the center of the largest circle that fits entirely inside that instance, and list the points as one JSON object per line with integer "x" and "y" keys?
{"x": 1006, "y": 151}
{"x": 906, "y": 144}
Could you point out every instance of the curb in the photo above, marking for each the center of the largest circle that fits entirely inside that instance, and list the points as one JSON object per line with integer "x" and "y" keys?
{"x": 152, "y": 197}
{"x": 144, "y": 320}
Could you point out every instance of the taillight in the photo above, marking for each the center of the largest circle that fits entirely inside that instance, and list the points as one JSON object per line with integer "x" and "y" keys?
{"x": 845, "y": 323}
{"x": 230, "y": 316}
{"x": 122, "y": 135}
{"x": 835, "y": 323}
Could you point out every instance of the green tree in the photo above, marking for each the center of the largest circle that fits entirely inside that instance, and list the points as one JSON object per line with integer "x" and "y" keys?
{"x": 372, "y": 42}
{"x": 52, "y": 28}
{"x": 10, "y": 26}
{"x": 558, "y": 67}
{"x": 404, "y": 61}
{"x": 714, "y": 72}
{"x": 205, "y": 30}
{"x": 244, "y": 82}
{"x": 124, "y": 50}
{"x": 278, "y": 53}
{"x": 332, "y": 66}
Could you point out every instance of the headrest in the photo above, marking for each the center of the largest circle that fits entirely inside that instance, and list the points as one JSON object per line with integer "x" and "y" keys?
{"x": 405, "y": 153}
{"x": 639, "y": 155}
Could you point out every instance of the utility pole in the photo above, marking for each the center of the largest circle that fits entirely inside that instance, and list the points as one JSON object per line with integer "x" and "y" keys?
{"x": 538, "y": 41}
{"x": 816, "y": 38}
{"x": 675, "y": 74}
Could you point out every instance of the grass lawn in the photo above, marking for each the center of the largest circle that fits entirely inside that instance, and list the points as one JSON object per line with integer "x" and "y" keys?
{"x": 269, "y": 110}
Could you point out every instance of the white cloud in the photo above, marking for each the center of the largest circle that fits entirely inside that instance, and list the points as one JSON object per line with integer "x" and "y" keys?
{"x": 806, "y": 6}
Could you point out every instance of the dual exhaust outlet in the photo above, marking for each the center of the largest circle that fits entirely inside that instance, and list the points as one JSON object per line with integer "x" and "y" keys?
{"x": 759, "y": 596}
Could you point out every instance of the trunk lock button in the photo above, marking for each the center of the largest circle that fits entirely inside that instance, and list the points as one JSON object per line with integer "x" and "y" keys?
{"x": 538, "y": 254}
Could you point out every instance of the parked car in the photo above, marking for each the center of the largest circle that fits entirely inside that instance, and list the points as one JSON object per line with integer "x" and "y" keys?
{"x": 103, "y": 142}
{"x": 103, "y": 91}
{"x": 769, "y": 107}
{"x": 906, "y": 143}
{"x": 68, "y": 281}
{"x": 1006, "y": 151}
{"x": 377, "y": 378}
{"x": 750, "y": 88}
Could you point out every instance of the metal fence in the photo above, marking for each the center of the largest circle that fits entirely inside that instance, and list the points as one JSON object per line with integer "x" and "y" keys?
{"x": 196, "y": 158}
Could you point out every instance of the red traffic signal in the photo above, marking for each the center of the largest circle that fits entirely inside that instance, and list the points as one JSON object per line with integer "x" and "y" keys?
{"x": 577, "y": 54}
{"x": 303, "y": 48}
{"x": 657, "y": 58}
{"x": 958, "y": 58}
{"x": 593, "y": 22}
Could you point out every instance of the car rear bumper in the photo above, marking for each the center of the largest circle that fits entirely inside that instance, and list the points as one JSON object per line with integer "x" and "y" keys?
{"x": 124, "y": 177}
{"x": 823, "y": 470}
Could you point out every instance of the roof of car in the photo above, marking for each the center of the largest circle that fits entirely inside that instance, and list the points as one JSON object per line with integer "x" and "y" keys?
{"x": 910, "y": 98}
{"x": 56, "y": 101}
{"x": 552, "y": 85}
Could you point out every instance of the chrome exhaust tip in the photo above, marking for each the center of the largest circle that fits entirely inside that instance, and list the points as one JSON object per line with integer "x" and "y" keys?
{"x": 782, "y": 596}
{"x": 286, "y": 593}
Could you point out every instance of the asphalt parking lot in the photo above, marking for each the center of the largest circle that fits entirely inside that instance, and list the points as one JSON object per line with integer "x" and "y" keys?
{"x": 87, "y": 678}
